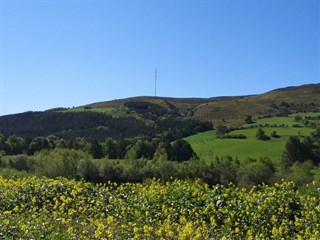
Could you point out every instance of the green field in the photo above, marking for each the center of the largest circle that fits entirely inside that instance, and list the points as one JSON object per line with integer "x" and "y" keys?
{"x": 207, "y": 145}
{"x": 82, "y": 109}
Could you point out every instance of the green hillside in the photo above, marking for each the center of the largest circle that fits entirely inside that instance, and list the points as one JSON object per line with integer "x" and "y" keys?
{"x": 232, "y": 110}
{"x": 150, "y": 117}
{"x": 207, "y": 145}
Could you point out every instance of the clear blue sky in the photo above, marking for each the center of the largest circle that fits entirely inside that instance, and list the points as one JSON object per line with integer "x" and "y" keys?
{"x": 73, "y": 52}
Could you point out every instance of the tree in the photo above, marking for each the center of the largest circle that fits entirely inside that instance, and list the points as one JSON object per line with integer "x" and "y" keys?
{"x": 61, "y": 143}
{"x": 96, "y": 150}
{"x": 15, "y": 144}
{"x": 254, "y": 173}
{"x": 301, "y": 173}
{"x": 226, "y": 169}
{"x": 297, "y": 118}
{"x": 221, "y": 131}
{"x": 3, "y": 144}
{"x": 38, "y": 144}
{"x": 274, "y": 134}
{"x": 315, "y": 145}
{"x": 87, "y": 170}
{"x": 110, "y": 148}
{"x": 81, "y": 143}
{"x": 260, "y": 134}
{"x": 248, "y": 119}
{"x": 295, "y": 150}
{"x": 181, "y": 151}
{"x": 161, "y": 153}
{"x": 141, "y": 149}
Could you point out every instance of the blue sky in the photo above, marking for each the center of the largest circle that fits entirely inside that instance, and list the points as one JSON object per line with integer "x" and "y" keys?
{"x": 64, "y": 53}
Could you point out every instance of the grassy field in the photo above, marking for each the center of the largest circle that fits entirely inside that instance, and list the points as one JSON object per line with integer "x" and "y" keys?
{"x": 285, "y": 120}
{"x": 207, "y": 145}
{"x": 82, "y": 109}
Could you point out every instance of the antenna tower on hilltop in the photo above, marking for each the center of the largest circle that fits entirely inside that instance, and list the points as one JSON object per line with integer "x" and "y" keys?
{"x": 155, "y": 82}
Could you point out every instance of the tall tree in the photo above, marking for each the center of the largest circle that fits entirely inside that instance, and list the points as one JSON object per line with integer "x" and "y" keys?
{"x": 181, "y": 151}
{"x": 96, "y": 150}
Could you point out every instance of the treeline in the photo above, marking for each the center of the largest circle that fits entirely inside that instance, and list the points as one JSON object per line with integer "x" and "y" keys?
{"x": 284, "y": 109}
{"x": 75, "y": 164}
{"x": 299, "y": 163}
{"x": 136, "y": 148}
{"x": 97, "y": 126}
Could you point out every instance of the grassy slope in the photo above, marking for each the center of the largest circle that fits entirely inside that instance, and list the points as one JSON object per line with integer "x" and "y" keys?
{"x": 82, "y": 109}
{"x": 228, "y": 110}
{"x": 206, "y": 145}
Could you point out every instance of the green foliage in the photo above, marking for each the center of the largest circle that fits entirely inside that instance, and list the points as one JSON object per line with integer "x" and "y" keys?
{"x": 181, "y": 150}
{"x": 59, "y": 162}
{"x": 15, "y": 145}
{"x": 110, "y": 148}
{"x": 161, "y": 153}
{"x": 254, "y": 173}
{"x": 111, "y": 171}
{"x": 226, "y": 169}
{"x": 141, "y": 149}
{"x": 274, "y": 134}
{"x": 297, "y": 118}
{"x": 96, "y": 150}
{"x": 295, "y": 150}
{"x": 13, "y": 174}
{"x": 301, "y": 173}
{"x": 88, "y": 170}
{"x": 38, "y": 144}
{"x": 248, "y": 119}
{"x": 221, "y": 131}
{"x": 261, "y": 135}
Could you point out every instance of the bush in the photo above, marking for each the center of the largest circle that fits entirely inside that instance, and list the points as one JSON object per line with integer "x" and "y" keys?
{"x": 274, "y": 134}
{"x": 239, "y": 136}
{"x": 260, "y": 134}
{"x": 254, "y": 173}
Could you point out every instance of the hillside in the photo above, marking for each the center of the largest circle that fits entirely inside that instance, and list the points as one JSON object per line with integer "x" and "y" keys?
{"x": 207, "y": 144}
{"x": 232, "y": 110}
{"x": 160, "y": 116}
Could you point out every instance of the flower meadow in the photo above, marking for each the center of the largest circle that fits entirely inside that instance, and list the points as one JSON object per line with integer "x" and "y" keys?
{"x": 43, "y": 208}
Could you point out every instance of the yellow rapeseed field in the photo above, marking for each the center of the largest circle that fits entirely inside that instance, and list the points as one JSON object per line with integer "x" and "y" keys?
{"x": 43, "y": 208}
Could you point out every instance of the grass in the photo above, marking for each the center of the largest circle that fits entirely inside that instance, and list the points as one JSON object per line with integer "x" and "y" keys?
{"x": 276, "y": 121}
{"x": 284, "y": 120}
{"x": 207, "y": 145}
{"x": 82, "y": 109}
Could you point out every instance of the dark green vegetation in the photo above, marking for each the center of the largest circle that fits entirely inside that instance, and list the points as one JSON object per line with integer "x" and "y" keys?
{"x": 98, "y": 126}
{"x": 245, "y": 140}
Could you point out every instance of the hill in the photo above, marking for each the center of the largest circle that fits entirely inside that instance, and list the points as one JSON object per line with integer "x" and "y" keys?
{"x": 160, "y": 116}
{"x": 231, "y": 110}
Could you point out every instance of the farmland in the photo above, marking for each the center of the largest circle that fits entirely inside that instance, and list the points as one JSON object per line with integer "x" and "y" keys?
{"x": 207, "y": 145}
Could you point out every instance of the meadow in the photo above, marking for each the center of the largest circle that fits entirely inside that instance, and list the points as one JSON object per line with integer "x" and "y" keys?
{"x": 207, "y": 145}
{"x": 104, "y": 110}
{"x": 43, "y": 208}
